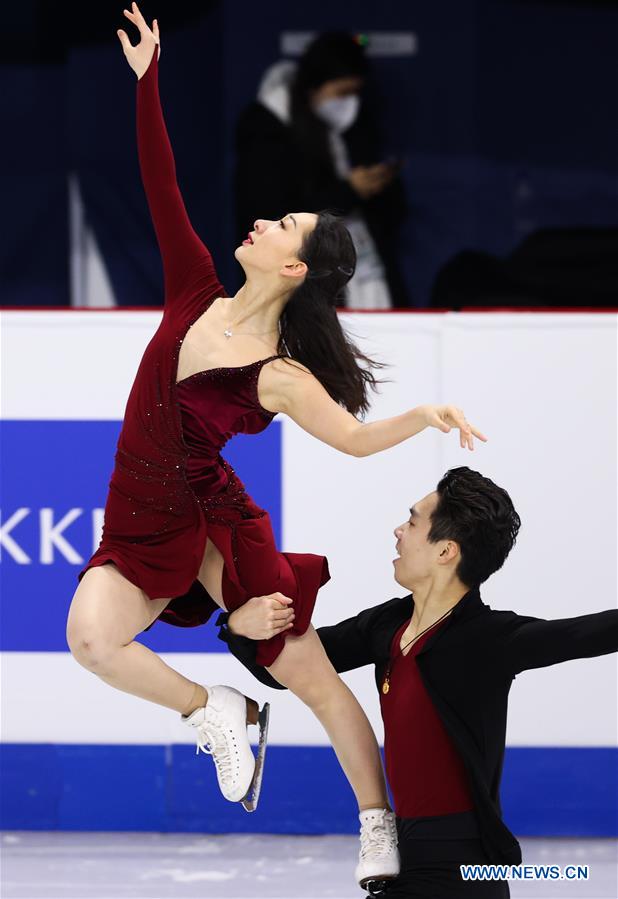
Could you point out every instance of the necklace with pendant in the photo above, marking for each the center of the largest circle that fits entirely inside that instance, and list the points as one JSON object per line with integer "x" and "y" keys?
{"x": 386, "y": 685}
{"x": 229, "y": 333}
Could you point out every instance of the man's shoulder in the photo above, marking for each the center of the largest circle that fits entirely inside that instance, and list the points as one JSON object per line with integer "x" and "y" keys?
{"x": 498, "y": 620}
{"x": 391, "y": 610}
{"x": 381, "y": 616}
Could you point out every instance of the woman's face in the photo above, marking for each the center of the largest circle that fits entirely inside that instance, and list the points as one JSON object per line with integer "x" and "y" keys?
{"x": 273, "y": 246}
{"x": 336, "y": 87}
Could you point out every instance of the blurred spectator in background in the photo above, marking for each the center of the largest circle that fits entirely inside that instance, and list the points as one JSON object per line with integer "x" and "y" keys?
{"x": 562, "y": 267}
{"x": 309, "y": 142}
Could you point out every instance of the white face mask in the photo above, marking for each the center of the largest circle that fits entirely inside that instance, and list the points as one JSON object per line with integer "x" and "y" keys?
{"x": 339, "y": 112}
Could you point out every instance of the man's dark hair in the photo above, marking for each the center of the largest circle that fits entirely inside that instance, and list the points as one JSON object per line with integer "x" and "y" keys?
{"x": 480, "y": 517}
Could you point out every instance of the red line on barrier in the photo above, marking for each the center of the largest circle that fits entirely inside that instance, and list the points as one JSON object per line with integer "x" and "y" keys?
{"x": 406, "y": 310}
{"x": 544, "y": 309}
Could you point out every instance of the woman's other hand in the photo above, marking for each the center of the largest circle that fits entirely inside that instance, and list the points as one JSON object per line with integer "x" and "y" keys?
{"x": 446, "y": 417}
{"x": 139, "y": 57}
{"x": 262, "y": 617}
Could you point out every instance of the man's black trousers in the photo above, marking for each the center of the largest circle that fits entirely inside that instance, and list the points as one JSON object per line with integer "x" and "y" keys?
{"x": 431, "y": 850}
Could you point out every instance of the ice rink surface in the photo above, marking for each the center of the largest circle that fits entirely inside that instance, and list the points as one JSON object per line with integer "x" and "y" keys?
{"x": 72, "y": 865}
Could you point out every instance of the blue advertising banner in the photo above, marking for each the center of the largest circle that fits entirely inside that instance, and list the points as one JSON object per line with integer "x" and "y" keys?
{"x": 53, "y": 488}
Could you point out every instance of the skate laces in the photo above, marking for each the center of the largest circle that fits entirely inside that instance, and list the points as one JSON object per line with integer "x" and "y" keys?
{"x": 376, "y": 835}
{"x": 208, "y": 743}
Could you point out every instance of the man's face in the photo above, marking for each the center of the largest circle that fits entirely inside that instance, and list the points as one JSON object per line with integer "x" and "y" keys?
{"x": 417, "y": 558}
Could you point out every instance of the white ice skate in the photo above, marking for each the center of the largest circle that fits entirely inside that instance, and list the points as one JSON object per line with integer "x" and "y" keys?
{"x": 379, "y": 856}
{"x": 221, "y": 731}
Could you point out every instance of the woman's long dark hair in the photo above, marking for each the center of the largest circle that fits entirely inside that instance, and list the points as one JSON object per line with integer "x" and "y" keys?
{"x": 310, "y": 330}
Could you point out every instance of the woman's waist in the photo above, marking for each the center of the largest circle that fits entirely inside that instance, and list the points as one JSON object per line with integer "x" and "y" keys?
{"x": 208, "y": 475}
{"x": 148, "y": 461}
{"x": 159, "y": 467}
{"x": 210, "y": 480}
{"x": 214, "y": 481}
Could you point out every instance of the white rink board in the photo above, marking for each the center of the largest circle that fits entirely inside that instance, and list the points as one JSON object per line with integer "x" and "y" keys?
{"x": 541, "y": 386}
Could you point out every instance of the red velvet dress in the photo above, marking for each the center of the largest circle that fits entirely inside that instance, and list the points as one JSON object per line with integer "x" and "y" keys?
{"x": 171, "y": 490}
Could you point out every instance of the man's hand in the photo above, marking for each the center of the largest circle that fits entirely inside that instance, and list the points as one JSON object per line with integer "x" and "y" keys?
{"x": 262, "y": 617}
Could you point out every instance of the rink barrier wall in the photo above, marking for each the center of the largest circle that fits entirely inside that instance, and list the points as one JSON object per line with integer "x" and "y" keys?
{"x": 546, "y": 791}
{"x": 560, "y": 772}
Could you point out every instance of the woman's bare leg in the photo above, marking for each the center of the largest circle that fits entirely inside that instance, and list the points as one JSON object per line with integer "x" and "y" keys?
{"x": 211, "y": 573}
{"x": 107, "y": 612}
{"x": 305, "y": 669}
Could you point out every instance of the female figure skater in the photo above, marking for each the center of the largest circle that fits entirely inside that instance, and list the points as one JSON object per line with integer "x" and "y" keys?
{"x": 180, "y": 534}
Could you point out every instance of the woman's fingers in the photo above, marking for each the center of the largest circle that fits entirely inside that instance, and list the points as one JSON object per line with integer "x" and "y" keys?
{"x": 465, "y": 439}
{"x": 130, "y": 16}
{"x": 132, "y": 19}
{"x": 474, "y": 432}
{"x": 438, "y": 422}
{"x": 458, "y": 417}
{"x": 137, "y": 18}
{"x": 468, "y": 432}
{"x": 445, "y": 417}
{"x": 137, "y": 11}
{"x": 155, "y": 31}
{"x": 465, "y": 432}
{"x": 141, "y": 21}
{"x": 124, "y": 40}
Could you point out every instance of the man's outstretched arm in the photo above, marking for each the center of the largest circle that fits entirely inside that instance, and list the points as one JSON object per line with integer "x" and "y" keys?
{"x": 537, "y": 642}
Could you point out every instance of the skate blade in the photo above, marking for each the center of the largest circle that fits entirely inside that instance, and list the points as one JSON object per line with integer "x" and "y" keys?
{"x": 376, "y": 886}
{"x": 250, "y": 802}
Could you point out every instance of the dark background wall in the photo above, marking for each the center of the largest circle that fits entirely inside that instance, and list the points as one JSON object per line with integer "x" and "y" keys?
{"x": 507, "y": 115}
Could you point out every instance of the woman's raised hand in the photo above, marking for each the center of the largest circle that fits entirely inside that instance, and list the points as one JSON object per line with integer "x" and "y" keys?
{"x": 139, "y": 57}
{"x": 446, "y": 417}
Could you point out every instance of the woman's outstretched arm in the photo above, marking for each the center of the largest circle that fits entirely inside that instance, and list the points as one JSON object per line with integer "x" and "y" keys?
{"x": 181, "y": 248}
{"x": 293, "y": 390}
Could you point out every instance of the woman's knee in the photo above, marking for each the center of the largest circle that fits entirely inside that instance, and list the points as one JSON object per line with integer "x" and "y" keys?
{"x": 88, "y": 634}
{"x": 90, "y": 651}
{"x": 106, "y": 613}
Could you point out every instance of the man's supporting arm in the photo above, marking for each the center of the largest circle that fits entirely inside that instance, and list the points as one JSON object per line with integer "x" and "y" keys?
{"x": 348, "y": 644}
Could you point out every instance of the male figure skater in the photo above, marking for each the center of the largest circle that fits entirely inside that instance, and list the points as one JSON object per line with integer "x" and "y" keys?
{"x": 444, "y": 664}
